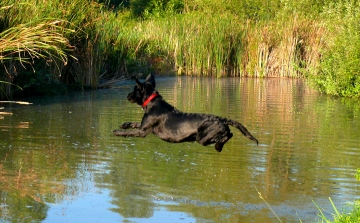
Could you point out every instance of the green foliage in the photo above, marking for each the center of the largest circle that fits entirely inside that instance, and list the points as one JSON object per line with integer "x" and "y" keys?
{"x": 352, "y": 216}
{"x": 34, "y": 40}
{"x": 155, "y": 8}
{"x": 357, "y": 175}
{"x": 340, "y": 65}
{"x": 197, "y": 43}
{"x": 50, "y": 34}
{"x": 116, "y": 4}
{"x": 203, "y": 37}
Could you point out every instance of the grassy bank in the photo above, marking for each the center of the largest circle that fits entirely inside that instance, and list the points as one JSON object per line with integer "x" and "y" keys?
{"x": 102, "y": 42}
{"x": 44, "y": 44}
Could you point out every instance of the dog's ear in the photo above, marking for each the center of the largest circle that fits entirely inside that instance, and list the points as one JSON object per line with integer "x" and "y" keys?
{"x": 138, "y": 83}
{"x": 151, "y": 80}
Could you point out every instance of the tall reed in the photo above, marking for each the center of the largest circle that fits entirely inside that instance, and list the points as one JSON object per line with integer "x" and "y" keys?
{"x": 195, "y": 44}
{"x": 27, "y": 42}
{"x": 223, "y": 38}
{"x": 284, "y": 48}
{"x": 28, "y": 18}
{"x": 224, "y": 45}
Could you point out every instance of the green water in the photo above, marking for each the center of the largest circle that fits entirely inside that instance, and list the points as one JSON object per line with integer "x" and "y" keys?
{"x": 59, "y": 161}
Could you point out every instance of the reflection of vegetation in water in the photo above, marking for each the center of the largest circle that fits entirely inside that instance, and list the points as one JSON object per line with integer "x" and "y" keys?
{"x": 68, "y": 138}
{"x": 300, "y": 122}
{"x": 32, "y": 178}
{"x": 19, "y": 208}
{"x": 44, "y": 163}
{"x": 129, "y": 192}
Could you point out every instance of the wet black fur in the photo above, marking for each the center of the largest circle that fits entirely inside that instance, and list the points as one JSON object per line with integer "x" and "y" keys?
{"x": 172, "y": 125}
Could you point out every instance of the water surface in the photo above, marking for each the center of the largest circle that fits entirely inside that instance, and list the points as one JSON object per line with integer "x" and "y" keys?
{"x": 59, "y": 160}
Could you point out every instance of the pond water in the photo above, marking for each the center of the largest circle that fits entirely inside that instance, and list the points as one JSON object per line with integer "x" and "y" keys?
{"x": 60, "y": 162}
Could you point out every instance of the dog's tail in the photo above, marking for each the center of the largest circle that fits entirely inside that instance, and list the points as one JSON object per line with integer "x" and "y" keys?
{"x": 242, "y": 129}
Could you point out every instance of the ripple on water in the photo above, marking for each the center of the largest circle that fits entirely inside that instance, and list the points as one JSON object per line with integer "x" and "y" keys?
{"x": 308, "y": 151}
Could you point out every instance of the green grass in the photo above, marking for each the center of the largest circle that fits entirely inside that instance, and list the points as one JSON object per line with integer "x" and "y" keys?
{"x": 45, "y": 39}
{"x": 349, "y": 215}
{"x": 340, "y": 65}
{"x": 301, "y": 39}
{"x": 34, "y": 41}
{"x": 223, "y": 45}
{"x": 352, "y": 216}
{"x": 337, "y": 216}
{"x": 357, "y": 175}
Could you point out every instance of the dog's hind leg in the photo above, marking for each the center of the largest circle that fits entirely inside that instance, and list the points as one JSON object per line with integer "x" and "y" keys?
{"x": 213, "y": 132}
{"x": 222, "y": 140}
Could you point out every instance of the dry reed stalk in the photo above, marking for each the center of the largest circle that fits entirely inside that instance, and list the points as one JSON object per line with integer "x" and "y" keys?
{"x": 17, "y": 102}
{"x": 6, "y": 113}
{"x": 285, "y": 51}
{"x": 25, "y": 41}
{"x": 314, "y": 43}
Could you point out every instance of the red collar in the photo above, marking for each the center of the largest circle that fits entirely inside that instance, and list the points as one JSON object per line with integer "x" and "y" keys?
{"x": 149, "y": 99}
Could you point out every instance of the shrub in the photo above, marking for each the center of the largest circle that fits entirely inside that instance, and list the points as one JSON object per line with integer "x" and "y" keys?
{"x": 340, "y": 64}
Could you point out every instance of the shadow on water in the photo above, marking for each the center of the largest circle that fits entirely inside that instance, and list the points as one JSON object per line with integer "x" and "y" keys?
{"x": 65, "y": 164}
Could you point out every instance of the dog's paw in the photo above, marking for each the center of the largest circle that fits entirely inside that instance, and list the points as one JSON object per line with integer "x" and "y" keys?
{"x": 130, "y": 125}
{"x": 118, "y": 132}
{"x": 219, "y": 147}
{"x": 125, "y": 125}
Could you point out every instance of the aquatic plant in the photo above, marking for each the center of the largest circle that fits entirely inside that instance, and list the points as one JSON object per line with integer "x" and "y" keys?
{"x": 223, "y": 45}
{"x": 357, "y": 175}
{"x": 267, "y": 204}
{"x": 47, "y": 37}
{"x": 352, "y": 216}
{"x": 29, "y": 41}
{"x": 206, "y": 38}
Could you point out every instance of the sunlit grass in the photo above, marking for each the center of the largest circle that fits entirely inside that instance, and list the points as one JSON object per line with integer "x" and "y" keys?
{"x": 224, "y": 45}
{"x": 357, "y": 175}
{"x": 262, "y": 198}
{"x": 218, "y": 39}
{"x": 53, "y": 34}
{"x": 337, "y": 216}
{"x": 26, "y": 41}
{"x": 352, "y": 216}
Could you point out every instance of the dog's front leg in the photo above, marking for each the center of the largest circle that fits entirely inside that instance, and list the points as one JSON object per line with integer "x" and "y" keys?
{"x": 141, "y": 129}
{"x": 132, "y": 125}
{"x": 131, "y": 133}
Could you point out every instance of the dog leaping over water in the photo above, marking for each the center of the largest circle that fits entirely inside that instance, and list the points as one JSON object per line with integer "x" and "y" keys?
{"x": 172, "y": 125}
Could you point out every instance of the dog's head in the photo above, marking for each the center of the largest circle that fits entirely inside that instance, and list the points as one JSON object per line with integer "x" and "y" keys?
{"x": 142, "y": 91}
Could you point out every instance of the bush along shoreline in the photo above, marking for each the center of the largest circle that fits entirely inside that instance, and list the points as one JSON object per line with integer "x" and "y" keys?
{"x": 92, "y": 44}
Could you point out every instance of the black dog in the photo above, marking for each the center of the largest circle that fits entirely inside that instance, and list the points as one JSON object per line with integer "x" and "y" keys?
{"x": 172, "y": 125}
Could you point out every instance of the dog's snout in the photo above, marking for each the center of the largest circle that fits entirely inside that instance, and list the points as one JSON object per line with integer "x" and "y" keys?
{"x": 130, "y": 97}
